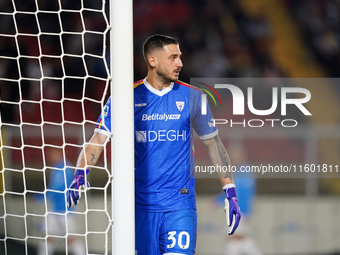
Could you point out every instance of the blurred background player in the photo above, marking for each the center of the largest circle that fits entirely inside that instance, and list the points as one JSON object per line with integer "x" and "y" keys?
{"x": 242, "y": 242}
{"x": 56, "y": 205}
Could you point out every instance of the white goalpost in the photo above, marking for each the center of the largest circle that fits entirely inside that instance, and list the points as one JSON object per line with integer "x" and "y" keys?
{"x": 56, "y": 73}
{"x": 123, "y": 206}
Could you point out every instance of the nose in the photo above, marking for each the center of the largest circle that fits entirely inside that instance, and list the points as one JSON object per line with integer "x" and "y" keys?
{"x": 179, "y": 63}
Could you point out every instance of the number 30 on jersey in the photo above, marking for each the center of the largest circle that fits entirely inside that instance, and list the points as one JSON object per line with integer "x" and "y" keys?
{"x": 183, "y": 239}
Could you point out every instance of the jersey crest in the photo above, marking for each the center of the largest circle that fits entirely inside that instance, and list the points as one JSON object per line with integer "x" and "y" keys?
{"x": 180, "y": 105}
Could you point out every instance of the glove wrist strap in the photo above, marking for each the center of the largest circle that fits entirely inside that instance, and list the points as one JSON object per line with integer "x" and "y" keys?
{"x": 229, "y": 190}
{"x": 81, "y": 172}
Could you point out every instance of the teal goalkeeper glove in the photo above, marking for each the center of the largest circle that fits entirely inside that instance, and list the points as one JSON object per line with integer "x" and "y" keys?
{"x": 77, "y": 184}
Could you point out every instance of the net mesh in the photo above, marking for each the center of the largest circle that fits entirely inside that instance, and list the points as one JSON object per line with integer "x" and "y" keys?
{"x": 54, "y": 83}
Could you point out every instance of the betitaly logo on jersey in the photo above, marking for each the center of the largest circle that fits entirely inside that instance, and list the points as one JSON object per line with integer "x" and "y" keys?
{"x": 161, "y": 136}
{"x": 180, "y": 105}
{"x": 157, "y": 116}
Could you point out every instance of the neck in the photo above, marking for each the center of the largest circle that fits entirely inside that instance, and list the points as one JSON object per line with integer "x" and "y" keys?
{"x": 156, "y": 82}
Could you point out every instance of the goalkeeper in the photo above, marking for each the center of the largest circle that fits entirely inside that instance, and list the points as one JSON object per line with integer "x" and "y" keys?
{"x": 166, "y": 111}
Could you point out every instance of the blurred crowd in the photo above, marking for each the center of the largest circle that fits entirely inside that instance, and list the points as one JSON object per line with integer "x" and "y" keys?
{"x": 69, "y": 44}
{"x": 319, "y": 23}
{"x": 217, "y": 38}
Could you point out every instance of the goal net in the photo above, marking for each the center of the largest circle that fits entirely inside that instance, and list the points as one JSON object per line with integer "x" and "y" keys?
{"x": 54, "y": 81}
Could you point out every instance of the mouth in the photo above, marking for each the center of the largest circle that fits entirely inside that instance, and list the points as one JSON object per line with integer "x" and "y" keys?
{"x": 177, "y": 72}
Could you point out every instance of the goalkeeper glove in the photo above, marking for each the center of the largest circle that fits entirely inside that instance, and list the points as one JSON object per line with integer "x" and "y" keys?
{"x": 77, "y": 184}
{"x": 231, "y": 208}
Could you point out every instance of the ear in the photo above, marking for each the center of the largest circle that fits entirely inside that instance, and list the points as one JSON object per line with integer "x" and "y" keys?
{"x": 152, "y": 61}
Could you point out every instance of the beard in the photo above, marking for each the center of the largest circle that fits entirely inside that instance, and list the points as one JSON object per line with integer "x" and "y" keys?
{"x": 165, "y": 76}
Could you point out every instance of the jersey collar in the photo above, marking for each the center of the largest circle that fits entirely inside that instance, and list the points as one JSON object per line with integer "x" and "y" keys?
{"x": 156, "y": 91}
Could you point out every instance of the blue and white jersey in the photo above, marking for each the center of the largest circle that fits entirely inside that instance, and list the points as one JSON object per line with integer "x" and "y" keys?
{"x": 57, "y": 183}
{"x": 57, "y": 187}
{"x": 164, "y": 154}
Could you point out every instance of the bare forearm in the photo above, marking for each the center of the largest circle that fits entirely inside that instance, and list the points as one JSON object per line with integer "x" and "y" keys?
{"x": 91, "y": 153}
{"x": 219, "y": 156}
{"x": 89, "y": 156}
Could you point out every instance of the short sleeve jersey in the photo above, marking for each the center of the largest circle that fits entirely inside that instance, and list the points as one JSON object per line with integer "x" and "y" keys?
{"x": 164, "y": 147}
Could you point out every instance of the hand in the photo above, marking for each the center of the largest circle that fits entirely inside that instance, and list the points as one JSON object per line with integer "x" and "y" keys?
{"x": 77, "y": 184}
{"x": 231, "y": 208}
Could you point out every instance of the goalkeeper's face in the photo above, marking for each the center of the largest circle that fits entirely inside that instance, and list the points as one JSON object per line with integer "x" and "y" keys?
{"x": 169, "y": 63}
